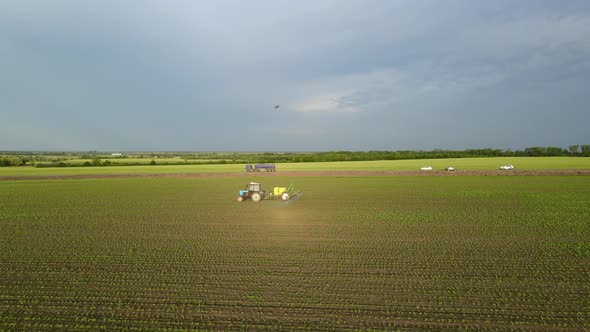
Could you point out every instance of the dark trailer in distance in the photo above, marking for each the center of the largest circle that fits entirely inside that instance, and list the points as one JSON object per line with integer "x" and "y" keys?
{"x": 261, "y": 168}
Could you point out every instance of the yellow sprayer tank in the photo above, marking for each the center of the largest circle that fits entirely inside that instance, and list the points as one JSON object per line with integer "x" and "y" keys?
{"x": 278, "y": 191}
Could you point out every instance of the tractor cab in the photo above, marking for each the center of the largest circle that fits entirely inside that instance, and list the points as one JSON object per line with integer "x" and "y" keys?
{"x": 253, "y": 186}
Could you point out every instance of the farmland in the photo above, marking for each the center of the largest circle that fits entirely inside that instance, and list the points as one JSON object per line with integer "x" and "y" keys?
{"x": 360, "y": 253}
{"x": 521, "y": 163}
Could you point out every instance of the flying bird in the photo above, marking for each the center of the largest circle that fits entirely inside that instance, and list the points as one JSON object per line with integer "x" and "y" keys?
{"x": 276, "y": 106}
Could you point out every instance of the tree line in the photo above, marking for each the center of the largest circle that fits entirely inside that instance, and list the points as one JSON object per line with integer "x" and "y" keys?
{"x": 14, "y": 159}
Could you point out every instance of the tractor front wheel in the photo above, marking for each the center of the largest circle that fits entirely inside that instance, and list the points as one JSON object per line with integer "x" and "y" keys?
{"x": 256, "y": 197}
{"x": 240, "y": 198}
{"x": 285, "y": 196}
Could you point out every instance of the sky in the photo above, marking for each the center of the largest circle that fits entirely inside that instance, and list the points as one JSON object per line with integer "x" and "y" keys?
{"x": 357, "y": 75}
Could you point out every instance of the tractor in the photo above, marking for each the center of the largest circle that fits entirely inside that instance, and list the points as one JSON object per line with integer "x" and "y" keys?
{"x": 254, "y": 192}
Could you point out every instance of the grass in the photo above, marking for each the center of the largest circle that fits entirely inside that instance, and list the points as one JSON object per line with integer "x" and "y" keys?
{"x": 380, "y": 253}
{"x": 462, "y": 163}
{"x": 440, "y": 164}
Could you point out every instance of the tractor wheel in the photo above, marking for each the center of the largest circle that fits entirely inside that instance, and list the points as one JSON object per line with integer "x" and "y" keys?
{"x": 285, "y": 196}
{"x": 240, "y": 198}
{"x": 256, "y": 197}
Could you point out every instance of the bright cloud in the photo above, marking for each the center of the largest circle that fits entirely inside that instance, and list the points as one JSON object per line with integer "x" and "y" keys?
{"x": 325, "y": 104}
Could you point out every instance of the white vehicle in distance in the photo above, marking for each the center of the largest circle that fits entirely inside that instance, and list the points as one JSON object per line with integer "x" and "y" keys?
{"x": 450, "y": 169}
{"x": 506, "y": 167}
{"x": 426, "y": 168}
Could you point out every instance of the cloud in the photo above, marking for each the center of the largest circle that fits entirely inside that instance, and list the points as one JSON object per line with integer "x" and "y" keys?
{"x": 387, "y": 87}
{"x": 329, "y": 103}
{"x": 347, "y": 93}
{"x": 476, "y": 54}
{"x": 505, "y": 39}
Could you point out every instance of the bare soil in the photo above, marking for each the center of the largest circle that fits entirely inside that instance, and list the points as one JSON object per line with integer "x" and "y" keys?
{"x": 548, "y": 172}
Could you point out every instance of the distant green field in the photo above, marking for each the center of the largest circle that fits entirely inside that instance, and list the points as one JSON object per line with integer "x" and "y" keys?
{"x": 366, "y": 254}
{"x": 461, "y": 163}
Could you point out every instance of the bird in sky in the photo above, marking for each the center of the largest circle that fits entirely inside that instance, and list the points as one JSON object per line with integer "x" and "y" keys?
{"x": 276, "y": 106}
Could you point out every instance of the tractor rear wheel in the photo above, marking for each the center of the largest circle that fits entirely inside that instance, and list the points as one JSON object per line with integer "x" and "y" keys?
{"x": 285, "y": 196}
{"x": 256, "y": 197}
{"x": 240, "y": 198}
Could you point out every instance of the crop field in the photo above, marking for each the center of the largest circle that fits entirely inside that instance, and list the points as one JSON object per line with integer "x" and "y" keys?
{"x": 361, "y": 253}
{"x": 521, "y": 163}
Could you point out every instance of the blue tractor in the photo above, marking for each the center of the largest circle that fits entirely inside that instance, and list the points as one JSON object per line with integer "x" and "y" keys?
{"x": 252, "y": 191}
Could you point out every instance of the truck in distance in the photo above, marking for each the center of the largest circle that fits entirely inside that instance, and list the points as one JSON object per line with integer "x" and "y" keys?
{"x": 261, "y": 168}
